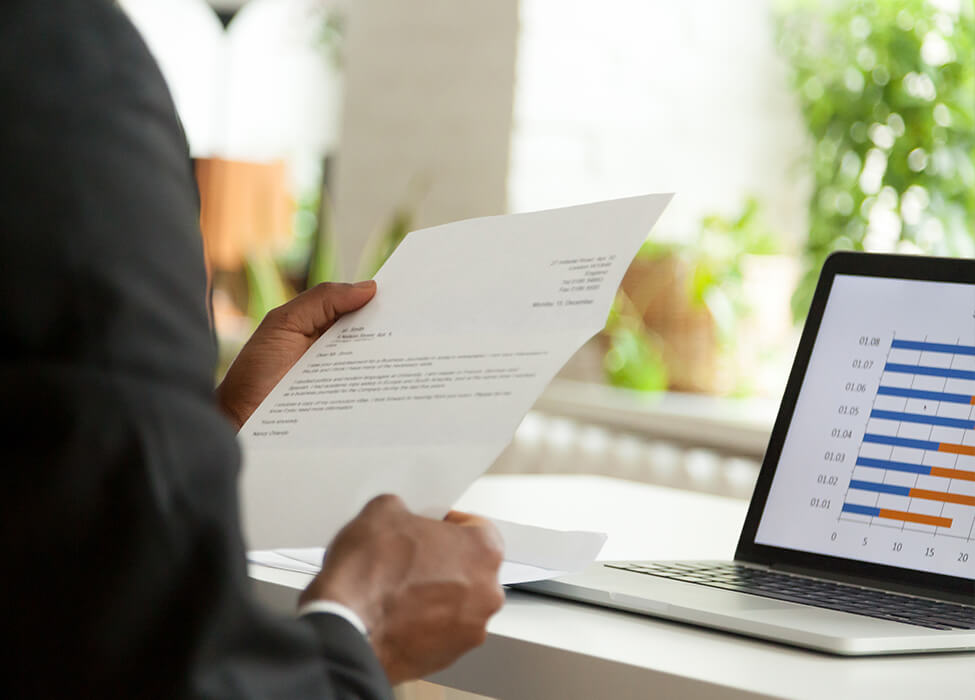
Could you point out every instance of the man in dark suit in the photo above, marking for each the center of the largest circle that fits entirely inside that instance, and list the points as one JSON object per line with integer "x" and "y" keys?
{"x": 124, "y": 570}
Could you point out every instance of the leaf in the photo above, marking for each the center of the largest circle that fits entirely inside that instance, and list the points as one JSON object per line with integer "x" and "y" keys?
{"x": 266, "y": 289}
{"x": 382, "y": 247}
{"x": 923, "y": 107}
{"x": 323, "y": 263}
{"x": 634, "y": 361}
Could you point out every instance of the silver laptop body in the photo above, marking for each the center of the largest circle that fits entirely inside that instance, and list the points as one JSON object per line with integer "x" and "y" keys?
{"x": 860, "y": 536}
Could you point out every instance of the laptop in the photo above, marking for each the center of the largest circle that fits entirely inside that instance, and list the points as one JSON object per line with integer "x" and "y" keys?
{"x": 860, "y": 535}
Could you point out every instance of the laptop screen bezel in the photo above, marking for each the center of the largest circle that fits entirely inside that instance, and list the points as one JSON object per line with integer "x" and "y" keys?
{"x": 907, "y": 267}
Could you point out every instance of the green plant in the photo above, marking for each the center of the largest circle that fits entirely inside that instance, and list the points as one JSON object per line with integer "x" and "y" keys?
{"x": 382, "y": 246}
{"x": 887, "y": 92}
{"x": 323, "y": 259}
{"x": 717, "y": 259}
{"x": 309, "y": 258}
{"x": 266, "y": 288}
{"x": 312, "y": 256}
{"x": 634, "y": 359}
{"x": 331, "y": 38}
{"x": 712, "y": 271}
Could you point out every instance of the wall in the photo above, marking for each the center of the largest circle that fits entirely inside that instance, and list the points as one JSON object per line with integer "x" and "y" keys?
{"x": 621, "y": 98}
{"x": 427, "y": 115}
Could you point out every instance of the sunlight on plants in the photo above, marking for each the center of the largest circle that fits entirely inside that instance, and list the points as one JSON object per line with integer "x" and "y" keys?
{"x": 887, "y": 92}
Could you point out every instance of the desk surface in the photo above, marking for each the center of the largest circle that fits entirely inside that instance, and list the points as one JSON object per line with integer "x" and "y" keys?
{"x": 545, "y": 648}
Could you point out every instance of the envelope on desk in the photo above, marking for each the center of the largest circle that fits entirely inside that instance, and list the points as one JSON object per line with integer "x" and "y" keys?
{"x": 531, "y": 553}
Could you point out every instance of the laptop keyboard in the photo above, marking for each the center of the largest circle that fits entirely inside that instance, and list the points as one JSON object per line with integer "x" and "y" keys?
{"x": 810, "y": 591}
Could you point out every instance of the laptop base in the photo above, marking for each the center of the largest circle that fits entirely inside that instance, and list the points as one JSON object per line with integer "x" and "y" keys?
{"x": 805, "y": 626}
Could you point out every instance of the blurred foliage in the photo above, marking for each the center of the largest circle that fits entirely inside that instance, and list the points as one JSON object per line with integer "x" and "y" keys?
{"x": 887, "y": 91}
{"x": 382, "y": 246}
{"x": 714, "y": 259}
{"x": 323, "y": 259}
{"x": 332, "y": 38}
{"x": 312, "y": 255}
{"x": 302, "y": 249}
{"x": 634, "y": 359}
{"x": 266, "y": 289}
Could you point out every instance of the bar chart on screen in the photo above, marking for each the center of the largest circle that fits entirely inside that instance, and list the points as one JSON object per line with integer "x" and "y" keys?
{"x": 878, "y": 463}
{"x": 915, "y": 468}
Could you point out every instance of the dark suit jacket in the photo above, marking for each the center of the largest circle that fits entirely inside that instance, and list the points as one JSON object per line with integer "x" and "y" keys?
{"x": 123, "y": 570}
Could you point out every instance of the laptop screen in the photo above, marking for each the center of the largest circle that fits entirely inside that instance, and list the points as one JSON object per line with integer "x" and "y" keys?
{"x": 878, "y": 460}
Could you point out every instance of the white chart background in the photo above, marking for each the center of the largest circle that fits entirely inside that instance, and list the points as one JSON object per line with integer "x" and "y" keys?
{"x": 804, "y": 510}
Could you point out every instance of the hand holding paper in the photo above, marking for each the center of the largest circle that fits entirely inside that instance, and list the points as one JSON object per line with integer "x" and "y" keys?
{"x": 284, "y": 335}
{"x": 424, "y": 589}
{"x": 419, "y": 391}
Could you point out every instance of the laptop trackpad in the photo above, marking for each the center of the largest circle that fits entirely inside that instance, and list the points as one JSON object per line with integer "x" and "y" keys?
{"x": 661, "y": 596}
{"x": 827, "y": 622}
{"x": 727, "y": 604}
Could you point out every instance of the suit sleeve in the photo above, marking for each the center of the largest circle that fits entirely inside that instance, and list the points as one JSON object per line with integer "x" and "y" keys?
{"x": 124, "y": 567}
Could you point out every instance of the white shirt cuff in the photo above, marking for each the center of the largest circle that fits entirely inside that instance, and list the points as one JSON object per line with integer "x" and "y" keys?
{"x": 333, "y": 608}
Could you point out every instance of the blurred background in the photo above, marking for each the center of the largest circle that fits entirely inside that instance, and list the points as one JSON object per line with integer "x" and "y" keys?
{"x": 325, "y": 130}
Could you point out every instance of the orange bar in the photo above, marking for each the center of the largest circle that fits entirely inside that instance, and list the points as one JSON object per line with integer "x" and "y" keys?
{"x": 956, "y": 449}
{"x": 972, "y": 402}
{"x": 914, "y": 518}
{"x": 943, "y": 496}
{"x": 952, "y": 473}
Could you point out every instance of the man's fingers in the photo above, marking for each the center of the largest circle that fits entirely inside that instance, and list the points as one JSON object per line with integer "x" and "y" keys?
{"x": 488, "y": 532}
{"x": 313, "y": 311}
{"x": 387, "y": 501}
{"x": 459, "y": 517}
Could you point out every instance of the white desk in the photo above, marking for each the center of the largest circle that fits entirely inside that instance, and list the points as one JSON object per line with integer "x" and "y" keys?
{"x": 541, "y": 648}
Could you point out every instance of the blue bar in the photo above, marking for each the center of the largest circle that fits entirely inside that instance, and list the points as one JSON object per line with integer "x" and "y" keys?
{"x": 893, "y": 466}
{"x": 861, "y": 510}
{"x": 901, "y": 442}
{"x": 921, "y": 418}
{"x": 880, "y": 488}
{"x": 929, "y": 371}
{"x": 920, "y": 394}
{"x": 933, "y": 347}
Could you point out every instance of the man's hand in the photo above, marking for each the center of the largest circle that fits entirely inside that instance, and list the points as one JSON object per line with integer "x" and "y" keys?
{"x": 283, "y": 336}
{"x": 424, "y": 588}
